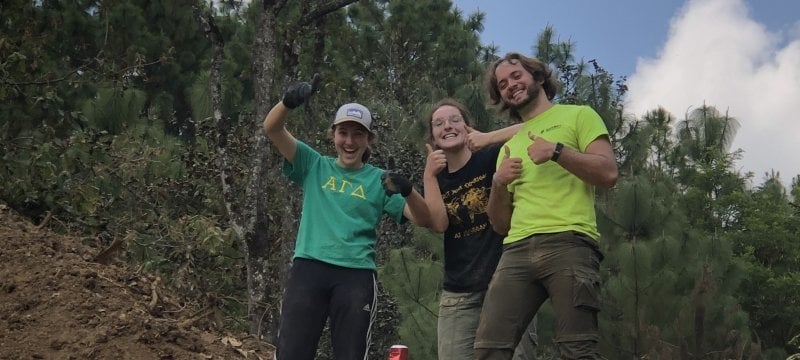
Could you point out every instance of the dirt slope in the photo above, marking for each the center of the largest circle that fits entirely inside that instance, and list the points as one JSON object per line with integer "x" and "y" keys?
{"x": 58, "y": 302}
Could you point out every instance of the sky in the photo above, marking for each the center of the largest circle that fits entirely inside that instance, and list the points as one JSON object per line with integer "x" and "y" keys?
{"x": 740, "y": 56}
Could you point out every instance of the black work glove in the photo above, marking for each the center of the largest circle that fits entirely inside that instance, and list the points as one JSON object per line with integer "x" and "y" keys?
{"x": 394, "y": 183}
{"x": 299, "y": 93}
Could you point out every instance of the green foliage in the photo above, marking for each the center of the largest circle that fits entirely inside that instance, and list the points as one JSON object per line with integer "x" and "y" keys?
{"x": 648, "y": 141}
{"x": 767, "y": 244}
{"x": 795, "y": 193}
{"x": 42, "y": 67}
{"x": 406, "y": 59}
{"x": 138, "y": 184}
{"x": 106, "y": 123}
{"x": 663, "y": 279}
{"x": 414, "y": 282}
{"x": 199, "y": 256}
{"x": 114, "y": 107}
{"x": 582, "y": 82}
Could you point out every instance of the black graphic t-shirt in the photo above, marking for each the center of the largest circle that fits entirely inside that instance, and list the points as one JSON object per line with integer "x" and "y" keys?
{"x": 471, "y": 248}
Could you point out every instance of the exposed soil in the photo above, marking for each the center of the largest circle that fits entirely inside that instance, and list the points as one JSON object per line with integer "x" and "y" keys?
{"x": 60, "y": 298}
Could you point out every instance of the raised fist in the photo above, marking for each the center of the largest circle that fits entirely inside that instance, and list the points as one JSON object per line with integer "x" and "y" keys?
{"x": 299, "y": 93}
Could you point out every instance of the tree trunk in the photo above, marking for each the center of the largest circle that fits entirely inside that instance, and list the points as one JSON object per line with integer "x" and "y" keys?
{"x": 267, "y": 263}
{"x": 250, "y": 220}
{"x": 256, "y": 230}
{"x": 699, "y": 296}
{"x": 212, "y": 32}
{"x": 264, "y": 282}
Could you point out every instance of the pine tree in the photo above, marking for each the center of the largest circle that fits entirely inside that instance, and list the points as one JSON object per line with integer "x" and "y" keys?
{"x": 673, "y": 274}
{"x": 767, "y": 244}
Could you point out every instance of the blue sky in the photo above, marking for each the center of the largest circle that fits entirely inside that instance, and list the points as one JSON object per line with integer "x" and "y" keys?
{"x": 742, "y": 56}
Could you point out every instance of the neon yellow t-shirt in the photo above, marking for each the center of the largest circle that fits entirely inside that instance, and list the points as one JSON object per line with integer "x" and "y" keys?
{"x": 546, "y": 197}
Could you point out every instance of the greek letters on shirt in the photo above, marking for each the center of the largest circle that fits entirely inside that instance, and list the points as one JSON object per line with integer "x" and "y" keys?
{"x": 344, "y": 186}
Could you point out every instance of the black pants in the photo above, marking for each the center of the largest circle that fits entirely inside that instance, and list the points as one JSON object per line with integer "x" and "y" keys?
{"x": 316, "y": 291}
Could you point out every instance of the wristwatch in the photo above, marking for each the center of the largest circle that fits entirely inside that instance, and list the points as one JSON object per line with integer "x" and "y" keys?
{"x": 557, "y": 152}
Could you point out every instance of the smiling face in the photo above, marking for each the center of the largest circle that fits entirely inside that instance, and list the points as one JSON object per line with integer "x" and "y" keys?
{"x": 516, "y": 85}
{"x": 351, "y": 140}
{"x": 448, "y": 128}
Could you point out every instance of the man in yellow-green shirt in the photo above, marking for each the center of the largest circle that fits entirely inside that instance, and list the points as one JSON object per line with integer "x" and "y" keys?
{"x": 542, "y": 197}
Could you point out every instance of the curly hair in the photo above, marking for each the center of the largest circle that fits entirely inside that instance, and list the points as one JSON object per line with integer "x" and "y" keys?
{"x": 538, "y": 70}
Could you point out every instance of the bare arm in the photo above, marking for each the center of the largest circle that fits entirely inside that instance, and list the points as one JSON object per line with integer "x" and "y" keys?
{"x": 434, "y": 164}
{"x": 596, "y": 166}
{"x": 275, "y": 130}
{"x": 416, "y": 209}
{"x": 275, "y": 122}
{"x": 500, "y": 207}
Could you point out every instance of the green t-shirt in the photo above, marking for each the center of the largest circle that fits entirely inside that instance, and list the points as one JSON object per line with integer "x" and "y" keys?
{"x": 547, "y": 198}
{"x": 341, "y": 209}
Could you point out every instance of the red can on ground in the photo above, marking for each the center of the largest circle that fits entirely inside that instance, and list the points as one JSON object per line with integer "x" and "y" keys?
{"x": 398, "y": 352}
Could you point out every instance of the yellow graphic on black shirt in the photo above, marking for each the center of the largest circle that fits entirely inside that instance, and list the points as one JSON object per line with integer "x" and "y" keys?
{"x": 464, "y": 208}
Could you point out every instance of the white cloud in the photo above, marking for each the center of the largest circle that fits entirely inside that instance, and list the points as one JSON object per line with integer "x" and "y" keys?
{"x": 717, "y": 55}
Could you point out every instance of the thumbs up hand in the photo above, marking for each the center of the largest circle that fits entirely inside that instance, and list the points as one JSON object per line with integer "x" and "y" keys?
{"x": 477, "y": 140}
{"x": 395, "y": 183}
{"x": 299, "y": 93}
{"x": 541, "y": 150}
{"x": 436, "y": 161}
{"x": 510, "y": 168}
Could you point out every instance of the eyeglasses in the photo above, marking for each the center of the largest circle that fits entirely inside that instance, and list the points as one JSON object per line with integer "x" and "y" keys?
{"x": 453, "y": 120}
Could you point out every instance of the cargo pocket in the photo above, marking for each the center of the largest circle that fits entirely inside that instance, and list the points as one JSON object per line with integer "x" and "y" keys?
{"x": 586, "y": 291}
{"x": 449, "y": 304}
{"x": 450, "y": 301}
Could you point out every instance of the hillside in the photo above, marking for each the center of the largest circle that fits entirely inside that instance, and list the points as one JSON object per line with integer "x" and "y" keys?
{"x": 61, "y": 299}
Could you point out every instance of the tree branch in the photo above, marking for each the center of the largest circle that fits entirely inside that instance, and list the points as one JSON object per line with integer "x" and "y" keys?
{"x": 321, "y": 9}
{"x": 45, "y": 82}
{"x": 214, "y": 35}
